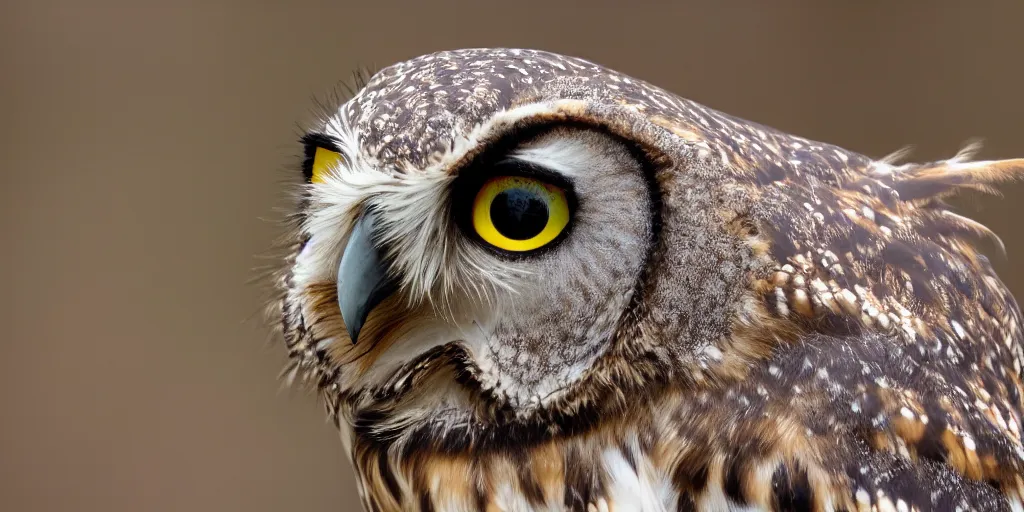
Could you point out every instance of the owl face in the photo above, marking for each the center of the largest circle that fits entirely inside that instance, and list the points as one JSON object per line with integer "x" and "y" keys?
{"x": 482, "y": 246}
{"x": 513, "y": 270}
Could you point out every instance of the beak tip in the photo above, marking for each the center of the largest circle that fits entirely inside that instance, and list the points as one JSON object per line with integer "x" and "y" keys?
{"x": 353, "y": 320}
{"x": 353, "y": 333}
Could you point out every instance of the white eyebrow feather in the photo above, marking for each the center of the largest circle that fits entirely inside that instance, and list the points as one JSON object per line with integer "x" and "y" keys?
{"x": 564, "y": 155}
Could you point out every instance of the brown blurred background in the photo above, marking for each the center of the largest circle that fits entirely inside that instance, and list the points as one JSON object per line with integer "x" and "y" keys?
{"x": 142, "y": 145}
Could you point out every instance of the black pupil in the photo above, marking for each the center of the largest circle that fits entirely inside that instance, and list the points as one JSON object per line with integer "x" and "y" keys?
{"x": 519, "y": 214}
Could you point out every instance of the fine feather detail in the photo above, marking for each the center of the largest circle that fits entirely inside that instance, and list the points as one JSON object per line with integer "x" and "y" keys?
{"x": 809, "y": 328}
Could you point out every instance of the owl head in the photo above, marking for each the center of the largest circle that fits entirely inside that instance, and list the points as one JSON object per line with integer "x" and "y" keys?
{"x": 496, "y": 245}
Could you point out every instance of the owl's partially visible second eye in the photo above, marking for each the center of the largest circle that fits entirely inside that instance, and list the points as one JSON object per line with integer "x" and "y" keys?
{"x": 323, "y": 157}
{"x": 518, "y": 213}
{"x": 324, "y": 163}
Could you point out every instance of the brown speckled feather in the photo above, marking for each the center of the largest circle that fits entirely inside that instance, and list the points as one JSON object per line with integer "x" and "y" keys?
{"x": 812, "y": 329}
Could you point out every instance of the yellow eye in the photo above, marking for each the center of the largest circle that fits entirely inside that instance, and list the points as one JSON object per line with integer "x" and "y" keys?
{"x": 519, "y": 214}
{"x": 324, "y": 162}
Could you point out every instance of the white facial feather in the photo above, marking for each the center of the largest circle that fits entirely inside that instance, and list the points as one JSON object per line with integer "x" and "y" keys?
{"x": 485, "y": 301}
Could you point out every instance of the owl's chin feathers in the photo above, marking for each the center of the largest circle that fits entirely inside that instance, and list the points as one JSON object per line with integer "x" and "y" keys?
{"x": 426, "y": 390}
{"x": 416, "y": 375}
{"x": 439, "y": 400}
{"x": 446, "y": 411}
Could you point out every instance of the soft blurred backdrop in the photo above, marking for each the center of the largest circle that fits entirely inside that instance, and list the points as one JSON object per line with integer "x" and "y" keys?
{"x": 143, "y": 144}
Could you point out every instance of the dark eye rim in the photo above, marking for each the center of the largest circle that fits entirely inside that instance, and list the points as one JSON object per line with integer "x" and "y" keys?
{"x": 310, "y": 142}
{"x": 468, "y": 184}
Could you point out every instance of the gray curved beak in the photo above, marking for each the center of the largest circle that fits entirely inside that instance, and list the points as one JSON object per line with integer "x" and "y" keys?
{"x": 363, "y": 280}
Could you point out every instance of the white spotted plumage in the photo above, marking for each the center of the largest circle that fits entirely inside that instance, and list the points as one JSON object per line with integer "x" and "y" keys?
{"x": 735, "y": 318}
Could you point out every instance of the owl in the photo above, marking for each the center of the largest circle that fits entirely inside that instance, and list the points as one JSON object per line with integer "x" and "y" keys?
{"x": 522, "y": 281}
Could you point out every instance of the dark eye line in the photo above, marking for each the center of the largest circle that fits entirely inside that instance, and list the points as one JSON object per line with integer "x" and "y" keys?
{"x": 468, "y": 183}
{"x": 320, "y": 140}
{"x": 514, "y": 167}
{"x": 310, "y": 142}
